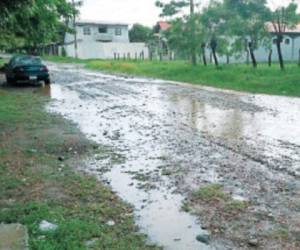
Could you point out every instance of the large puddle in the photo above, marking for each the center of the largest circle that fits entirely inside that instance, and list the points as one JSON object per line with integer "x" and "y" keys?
{"x": 161, "y": 129}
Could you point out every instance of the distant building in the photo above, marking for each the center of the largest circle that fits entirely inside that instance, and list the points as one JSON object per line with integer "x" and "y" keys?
{"x": 103, "y": 40}
{"x": 290, "y": 47}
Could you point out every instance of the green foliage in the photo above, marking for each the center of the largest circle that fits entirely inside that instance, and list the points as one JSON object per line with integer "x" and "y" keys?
{"x": 173, "y": 7}
{"x": 140, "y": 33}
{"x": 37, "y": 23}
{"x": 184, "y": 40}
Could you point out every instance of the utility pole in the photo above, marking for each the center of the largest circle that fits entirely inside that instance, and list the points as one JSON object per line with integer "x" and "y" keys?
{"x": 193, "y": 33}
{"x": 75, "y": 31}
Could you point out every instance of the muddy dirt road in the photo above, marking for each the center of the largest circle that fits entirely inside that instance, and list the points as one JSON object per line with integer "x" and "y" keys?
{"x": 171, "y": 139}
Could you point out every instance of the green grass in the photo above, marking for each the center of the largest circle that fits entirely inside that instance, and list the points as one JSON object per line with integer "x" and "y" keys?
{"x": 210, "y": 192}
{"x": 36, "y": 186}
{"x": 215, "y": 192}
{"x": 240, "y": 77}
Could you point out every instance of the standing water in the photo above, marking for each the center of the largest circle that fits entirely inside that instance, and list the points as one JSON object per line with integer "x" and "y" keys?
{"x": 170, "y": 139}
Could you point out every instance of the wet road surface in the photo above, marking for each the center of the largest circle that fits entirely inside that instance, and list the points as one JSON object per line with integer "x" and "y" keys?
{"x": 172, "y": 138}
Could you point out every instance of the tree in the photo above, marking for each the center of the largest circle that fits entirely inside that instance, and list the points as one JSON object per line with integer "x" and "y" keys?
{"x": 213, "y": 19}
{"x": 140, "y": 33}
{"x": 173, "y": 8}
{"x": 179, "y": 36}
{"x": 246, "y": 22}
{"x": 282, "y": 19}
{"x": 37, "y": 23}
{"x": 6, "y": 6}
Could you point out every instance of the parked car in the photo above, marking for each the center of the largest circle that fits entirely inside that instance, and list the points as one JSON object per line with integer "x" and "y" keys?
{"x": 22, "y": 69}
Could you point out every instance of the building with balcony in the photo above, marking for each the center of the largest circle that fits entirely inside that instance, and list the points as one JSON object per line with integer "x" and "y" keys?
{"x": 103, "y": 40}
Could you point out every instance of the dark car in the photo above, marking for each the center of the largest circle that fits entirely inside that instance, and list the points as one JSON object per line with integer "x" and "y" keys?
{"x": 26, "y": 69}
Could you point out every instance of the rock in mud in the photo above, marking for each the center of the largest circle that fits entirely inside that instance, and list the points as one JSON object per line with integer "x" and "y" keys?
{"x": 253, "y": 242}
{"x": 204, "y": 238}
{"x": 47, "y": 226}
{"x": 110, "y": 223}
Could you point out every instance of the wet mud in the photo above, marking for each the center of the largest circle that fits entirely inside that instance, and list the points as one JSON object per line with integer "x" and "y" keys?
{"x": 172, "y": 139}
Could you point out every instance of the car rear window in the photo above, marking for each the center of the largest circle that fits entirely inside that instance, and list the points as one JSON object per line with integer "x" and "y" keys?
{"x": 27, "y": 61}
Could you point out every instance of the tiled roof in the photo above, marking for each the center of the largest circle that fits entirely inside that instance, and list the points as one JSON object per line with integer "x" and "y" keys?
{"x": 296, "y": 29}
{"x": 164, "y": 25}
{"x": 99, "y": 22}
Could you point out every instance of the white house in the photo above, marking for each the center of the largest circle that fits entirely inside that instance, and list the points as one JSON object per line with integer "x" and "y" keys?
{"x": 103, "y": 40}
{"x": 290, "y": 47}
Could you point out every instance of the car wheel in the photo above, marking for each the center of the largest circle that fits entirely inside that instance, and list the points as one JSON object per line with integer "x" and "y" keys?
{"x": 10, "y": 80}
{"x": 47, "y": 81}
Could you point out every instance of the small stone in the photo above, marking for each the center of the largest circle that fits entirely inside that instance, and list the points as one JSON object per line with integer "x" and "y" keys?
{"x": 47, "y": 226}
{"x": 110, "y": 223}
{"x": 204, "y": 238}
{"x": 253, "y": 242}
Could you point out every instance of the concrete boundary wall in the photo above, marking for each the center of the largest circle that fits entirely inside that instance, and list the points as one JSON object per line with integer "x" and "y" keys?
{"x": 100, "y": 50}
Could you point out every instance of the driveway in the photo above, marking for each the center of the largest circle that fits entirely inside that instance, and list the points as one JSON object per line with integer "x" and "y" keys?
{"x": 172, "y": 139}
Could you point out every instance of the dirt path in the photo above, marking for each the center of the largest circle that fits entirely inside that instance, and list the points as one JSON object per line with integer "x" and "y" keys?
{"x": 173, "y": 139}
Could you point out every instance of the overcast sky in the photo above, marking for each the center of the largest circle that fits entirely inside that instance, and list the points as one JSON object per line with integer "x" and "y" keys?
{"x": 128, "y": 11}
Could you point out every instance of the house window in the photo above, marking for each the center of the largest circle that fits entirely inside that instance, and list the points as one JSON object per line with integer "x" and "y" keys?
{"x": 118, "y": 32}
{"x": 287, "y": 41}
{"x": 86, "y": 31}
{"x": 102, "y": 29}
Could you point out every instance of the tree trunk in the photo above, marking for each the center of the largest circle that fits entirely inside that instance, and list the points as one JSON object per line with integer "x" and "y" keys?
{"x": 270, "y": 58}
{"x": 215, "y": 57}
{"x": 252, "y": 55}
{"x": 227, "y": 59}
{"x": 280, "y": 57}
{"x": 203, "y": 54}
{"x": 213, "y": 45}
{"x": 75, "y": 32}
{"x": 193, "y": 31}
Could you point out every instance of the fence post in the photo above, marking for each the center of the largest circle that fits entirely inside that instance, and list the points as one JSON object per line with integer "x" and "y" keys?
{"x": 270, "y": 58}
{"x": 143, "y": 56}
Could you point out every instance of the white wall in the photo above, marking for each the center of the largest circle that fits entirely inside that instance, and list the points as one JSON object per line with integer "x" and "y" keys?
{"x": 95, "y": 35}
{"x": 98, "y": 50}
{"x": 290, "y": 52}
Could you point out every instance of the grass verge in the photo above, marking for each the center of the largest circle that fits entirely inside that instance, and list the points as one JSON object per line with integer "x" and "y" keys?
{"x": 240, "y": 77}
{"x": 38, "y": 181}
